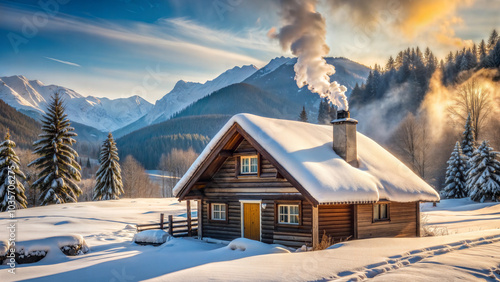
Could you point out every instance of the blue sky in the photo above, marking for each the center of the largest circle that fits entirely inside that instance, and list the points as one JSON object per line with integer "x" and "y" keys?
{"x": 119, "y": 48}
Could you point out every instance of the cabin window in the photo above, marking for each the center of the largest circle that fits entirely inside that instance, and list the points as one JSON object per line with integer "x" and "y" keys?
{"x": 380, "y": 212}
{"x": 218, "y": 211}
{"x": 249, "y": 165}
{"x": 288, "y": 214}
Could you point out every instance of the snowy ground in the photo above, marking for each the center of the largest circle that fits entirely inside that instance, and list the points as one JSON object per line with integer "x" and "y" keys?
{"x": 470, "y": 252}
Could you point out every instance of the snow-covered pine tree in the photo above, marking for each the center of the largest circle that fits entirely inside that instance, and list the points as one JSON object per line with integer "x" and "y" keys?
{"x": 58, "y": 168}
{"x": 483, "y": 176}
{"x": 468, "y": 142}
{"x": 455, "y": 175}
{"x": 10, "y": 174}
{"x": 108, "y": 177}
{"x": 303, "y": 115}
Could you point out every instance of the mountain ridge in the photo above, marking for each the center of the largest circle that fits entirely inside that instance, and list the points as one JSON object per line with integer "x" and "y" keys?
{"x": 31, "y": 97}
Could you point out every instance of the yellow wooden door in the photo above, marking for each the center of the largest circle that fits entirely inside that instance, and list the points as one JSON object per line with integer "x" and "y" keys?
{"x": 251, "y": 221}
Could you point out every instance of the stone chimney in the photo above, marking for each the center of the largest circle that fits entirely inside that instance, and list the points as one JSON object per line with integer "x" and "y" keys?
{"x": 344, "y": 137}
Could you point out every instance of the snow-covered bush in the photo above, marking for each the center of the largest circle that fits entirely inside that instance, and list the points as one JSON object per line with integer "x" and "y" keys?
{"x": 35, "y": 250}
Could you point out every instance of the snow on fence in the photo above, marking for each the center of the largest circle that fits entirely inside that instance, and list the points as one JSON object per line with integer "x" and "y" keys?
{"x": 175, "y": 228}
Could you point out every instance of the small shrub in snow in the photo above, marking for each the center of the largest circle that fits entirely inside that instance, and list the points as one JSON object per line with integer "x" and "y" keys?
{"x": 23, "y": 257}
{"x": 74, "y": 250}
{"x": 327, "y": 241}
{"x": 483, "y": 176}
{"x": 35, "y": 250}
{"x": 427, "y": 230}
{"x": 151, "y": 237}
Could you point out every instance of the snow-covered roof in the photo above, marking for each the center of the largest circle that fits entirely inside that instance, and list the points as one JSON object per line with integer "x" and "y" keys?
{"x": 305, "y": 151}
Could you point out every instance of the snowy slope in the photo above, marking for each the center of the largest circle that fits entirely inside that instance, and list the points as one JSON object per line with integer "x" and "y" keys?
{"x": 106, "y": 227}
{"x": 31, "y": 96}
{"x": 185, "y": 93}
{"x": 271, "y": 66}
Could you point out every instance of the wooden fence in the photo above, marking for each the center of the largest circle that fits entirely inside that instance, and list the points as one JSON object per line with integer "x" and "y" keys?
{"x": 176, "y": 228}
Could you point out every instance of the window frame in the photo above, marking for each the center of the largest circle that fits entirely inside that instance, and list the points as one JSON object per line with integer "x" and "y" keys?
{"x": 249, "y": 158}
{"x": 277, "y": 205}
{"x": 211, "y": 212}
{"x": 388, "y": 213}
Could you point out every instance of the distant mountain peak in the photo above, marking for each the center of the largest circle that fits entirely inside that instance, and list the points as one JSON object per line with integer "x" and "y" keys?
{"x": 185, "y": 93}
{"x": 31, "y": 97}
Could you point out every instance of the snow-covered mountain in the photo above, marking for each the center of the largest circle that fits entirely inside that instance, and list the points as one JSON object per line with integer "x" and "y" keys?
{"x": 185, "y": 93}
{"x": 31, "y": 96}
{"x": 271, "y": 66}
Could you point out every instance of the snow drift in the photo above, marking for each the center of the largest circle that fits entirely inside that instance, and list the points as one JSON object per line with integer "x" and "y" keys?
{"x": 151, "y": 237}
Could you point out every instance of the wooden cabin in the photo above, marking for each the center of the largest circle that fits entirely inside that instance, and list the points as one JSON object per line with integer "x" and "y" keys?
{"x": 288, "y": 182}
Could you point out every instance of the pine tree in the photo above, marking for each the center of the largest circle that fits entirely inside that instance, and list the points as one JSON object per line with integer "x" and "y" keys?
{"x": 323, "y": 114}
{"x": 109, "y": 184}
{"x": 88, "y": 163}
{"x": 59, "y": 170}
{"x": 455, "y": 175}
{"x": 483, "y": 176}
{"x": 303, "y": 114}
{"x": 492, "y": 40}
{"x": 11, "y": 189}
{"x": 391, "y": 65}
{"x": 468, "y": 141}
{"x": 482, "y": 51}
{"x": 493, "y": 58}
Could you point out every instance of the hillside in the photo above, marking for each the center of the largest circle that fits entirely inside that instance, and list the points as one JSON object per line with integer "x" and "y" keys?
{"x": 243, "y": 98}
{"x": 149, "y": 143}
{"x": 23, "y": 129}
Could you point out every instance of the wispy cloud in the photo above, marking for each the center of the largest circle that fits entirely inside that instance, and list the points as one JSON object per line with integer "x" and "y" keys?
{"x": 173, "y": 39}
{"x": 63, "y": 62}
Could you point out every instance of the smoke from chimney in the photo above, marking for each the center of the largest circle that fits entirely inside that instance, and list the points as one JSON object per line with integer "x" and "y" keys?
{"x": 304, "y": 33}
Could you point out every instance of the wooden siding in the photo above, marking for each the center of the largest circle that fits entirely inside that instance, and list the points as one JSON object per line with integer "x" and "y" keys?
{"x": 337, "y": 221}
{"x": 223, "y": 230}
{"x": 227, "y": 186}
{"x": 402, "y": 221}
{"x": 288, "y": 235}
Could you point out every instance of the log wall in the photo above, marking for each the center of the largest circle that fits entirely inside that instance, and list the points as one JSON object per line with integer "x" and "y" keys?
{"x": 336, "y": 221}
{"x": 402, "y": 221}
